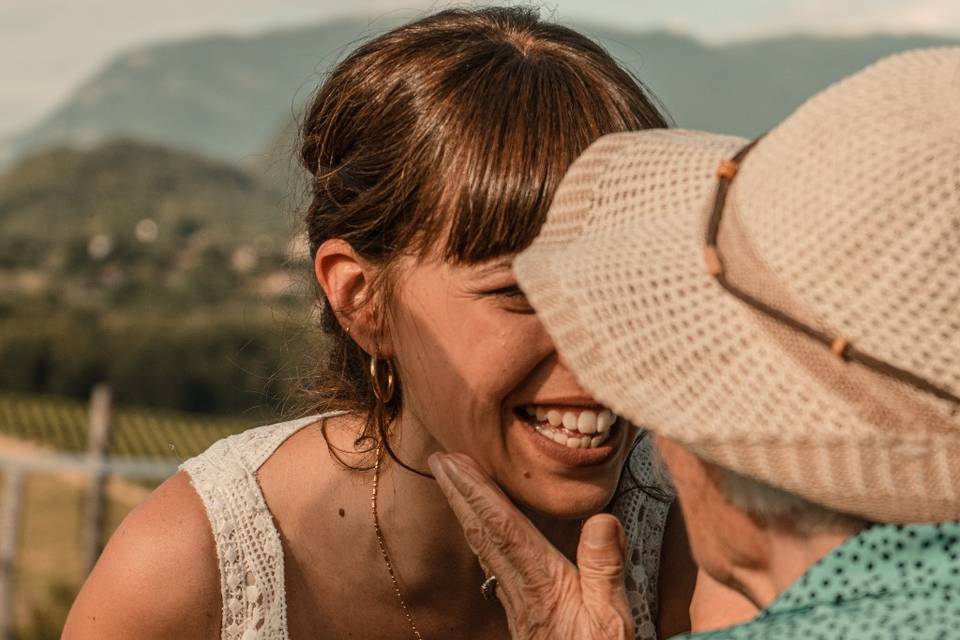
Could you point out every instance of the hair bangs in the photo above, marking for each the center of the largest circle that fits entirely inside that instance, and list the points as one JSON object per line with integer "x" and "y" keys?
{"x": 512, "y": 123}
{"x": 448, "y": 137}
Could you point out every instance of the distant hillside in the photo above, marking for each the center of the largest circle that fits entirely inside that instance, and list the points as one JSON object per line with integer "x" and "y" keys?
{"x": 746, "y": 88}
{"x": 63, "y": 194}
{"x": 223, "y": 95}
{"x": 133, "y": 224}
{"x": 227, "y": 97}
{"x": 164, "y": 273}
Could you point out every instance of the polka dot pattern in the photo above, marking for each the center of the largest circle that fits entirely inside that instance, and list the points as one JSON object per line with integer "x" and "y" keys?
{"x": 891, "y": 581}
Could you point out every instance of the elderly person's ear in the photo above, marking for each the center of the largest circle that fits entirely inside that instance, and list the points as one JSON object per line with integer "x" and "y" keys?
{"x": 349, "y": 284}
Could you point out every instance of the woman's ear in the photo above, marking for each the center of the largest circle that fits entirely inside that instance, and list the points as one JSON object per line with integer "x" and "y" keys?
{"x": 347, "y": 281}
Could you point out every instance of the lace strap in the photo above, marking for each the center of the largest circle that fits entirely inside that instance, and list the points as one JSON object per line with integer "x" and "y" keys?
{"x": 249, "y": 550}
{"x": 644, "y": 518}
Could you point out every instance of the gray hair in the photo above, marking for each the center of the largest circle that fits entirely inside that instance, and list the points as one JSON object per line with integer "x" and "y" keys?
{"x": 770, "y": 504}
{"x": 767, "y": 503}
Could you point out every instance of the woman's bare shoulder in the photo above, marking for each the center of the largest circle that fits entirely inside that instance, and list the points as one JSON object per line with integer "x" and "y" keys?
{"x": 158, "y": 575}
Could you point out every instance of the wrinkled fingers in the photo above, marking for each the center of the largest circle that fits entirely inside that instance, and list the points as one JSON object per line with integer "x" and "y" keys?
{"x": 508, "y": 545}
{"x": 475, "y": 529}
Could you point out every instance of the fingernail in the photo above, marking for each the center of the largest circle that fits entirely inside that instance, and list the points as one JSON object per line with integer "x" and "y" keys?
{"x": 435, "y": 462}
{"x": 445, "y": 463}
{"x": 600, "y": 531}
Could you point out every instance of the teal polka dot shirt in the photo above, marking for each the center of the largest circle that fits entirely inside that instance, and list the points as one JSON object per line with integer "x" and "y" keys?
{"x": 888, "y": 582}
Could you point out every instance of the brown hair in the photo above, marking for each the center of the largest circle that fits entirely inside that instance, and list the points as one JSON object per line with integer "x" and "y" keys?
{"x": 450, "y": 133}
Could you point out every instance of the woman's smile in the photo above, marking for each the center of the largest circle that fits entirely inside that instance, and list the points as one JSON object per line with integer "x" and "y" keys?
{"x": 577, "y": 434}
{"x": 572, "y": 427}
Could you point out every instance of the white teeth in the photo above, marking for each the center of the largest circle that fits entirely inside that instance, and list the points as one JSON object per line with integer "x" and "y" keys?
{"x": 587, "y": 422}
{"x": 592, "y": 427}
{"x": 574, "y": 442}
{"x": 604, "y": 421}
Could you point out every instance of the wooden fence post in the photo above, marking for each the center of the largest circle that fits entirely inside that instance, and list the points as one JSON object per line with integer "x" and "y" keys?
{"x": 9, "y": 541}
{"x": 98, "y": 445}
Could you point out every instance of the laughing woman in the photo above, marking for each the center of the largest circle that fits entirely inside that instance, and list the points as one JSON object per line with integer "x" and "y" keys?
{"x": 435, "y": 150}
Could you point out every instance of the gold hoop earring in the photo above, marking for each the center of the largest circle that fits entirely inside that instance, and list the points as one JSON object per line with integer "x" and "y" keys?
{"x": 383, "y": 395}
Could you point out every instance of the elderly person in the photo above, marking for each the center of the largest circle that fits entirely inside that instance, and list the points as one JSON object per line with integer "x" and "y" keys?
{"x": 784, "y": 316}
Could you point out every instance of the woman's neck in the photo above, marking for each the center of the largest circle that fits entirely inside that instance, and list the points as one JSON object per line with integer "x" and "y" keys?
{"x": 413, "y": 506}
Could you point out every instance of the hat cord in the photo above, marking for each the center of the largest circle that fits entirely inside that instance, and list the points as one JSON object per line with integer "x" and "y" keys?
{"x": 838, "y": 345}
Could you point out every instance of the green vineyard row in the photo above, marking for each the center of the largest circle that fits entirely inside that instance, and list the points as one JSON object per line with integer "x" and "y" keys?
{"x": 61, "y": 423}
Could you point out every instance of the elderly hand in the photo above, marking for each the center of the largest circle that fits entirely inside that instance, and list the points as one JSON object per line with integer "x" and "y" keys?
{"x": 544, "y": 595}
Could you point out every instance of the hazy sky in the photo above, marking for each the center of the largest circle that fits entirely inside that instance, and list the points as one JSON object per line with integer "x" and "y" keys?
{"x": 47, "y": 47}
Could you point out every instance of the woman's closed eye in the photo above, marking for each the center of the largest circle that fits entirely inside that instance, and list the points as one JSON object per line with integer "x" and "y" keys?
{"x": 512, "y": 298}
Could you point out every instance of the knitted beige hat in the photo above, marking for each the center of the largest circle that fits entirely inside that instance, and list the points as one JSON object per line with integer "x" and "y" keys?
{"x": 844, "y": 224}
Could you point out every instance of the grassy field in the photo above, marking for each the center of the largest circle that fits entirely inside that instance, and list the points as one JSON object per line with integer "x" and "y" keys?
{"x": 61, "y": 424}
{"x": 50, "y": 561}
{"x": 50, "y": 564}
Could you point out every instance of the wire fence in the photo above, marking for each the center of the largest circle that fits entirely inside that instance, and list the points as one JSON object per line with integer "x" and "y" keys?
{"x": 93, "y": 442}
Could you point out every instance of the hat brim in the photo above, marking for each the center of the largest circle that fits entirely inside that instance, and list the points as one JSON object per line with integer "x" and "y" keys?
{"x": 618, "y": 278}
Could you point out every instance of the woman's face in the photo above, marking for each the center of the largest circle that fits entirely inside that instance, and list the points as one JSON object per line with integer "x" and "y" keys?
{"x": 481, "y": 376}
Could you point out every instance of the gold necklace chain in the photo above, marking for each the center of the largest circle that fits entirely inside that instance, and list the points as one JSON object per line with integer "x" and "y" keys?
{"x": 383, "y": 548}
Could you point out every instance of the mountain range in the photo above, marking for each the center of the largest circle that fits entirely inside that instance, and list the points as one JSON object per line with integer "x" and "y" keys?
{"x": 146, "y": 223}
{"x": 229, "y": 97}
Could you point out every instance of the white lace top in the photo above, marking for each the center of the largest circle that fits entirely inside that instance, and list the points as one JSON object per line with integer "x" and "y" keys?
{"x": 250, "y": 554}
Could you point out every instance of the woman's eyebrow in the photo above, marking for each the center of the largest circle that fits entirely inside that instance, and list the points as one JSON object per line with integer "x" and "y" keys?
{"x": 496, "y": 265}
